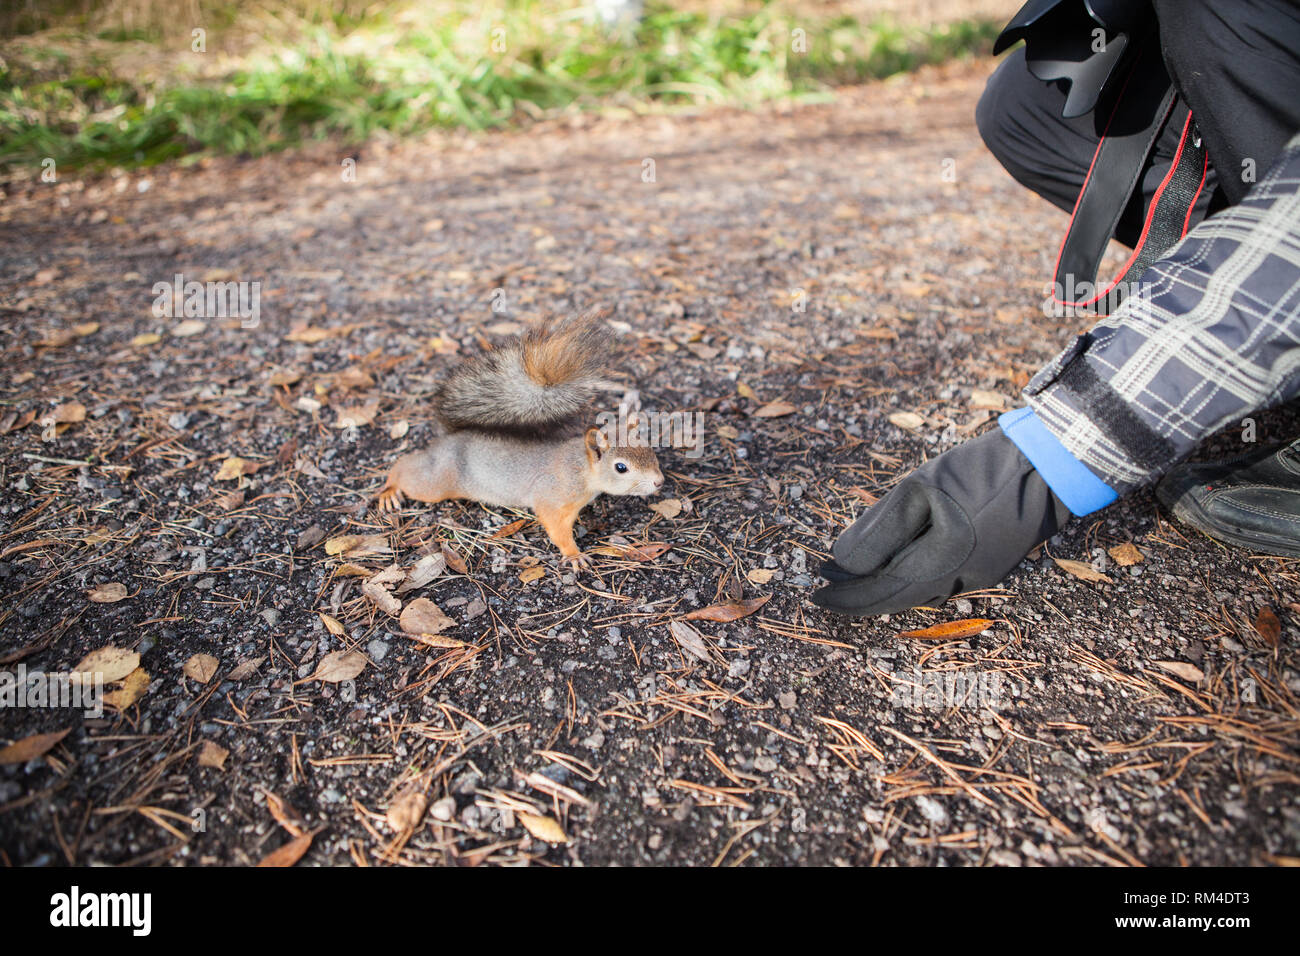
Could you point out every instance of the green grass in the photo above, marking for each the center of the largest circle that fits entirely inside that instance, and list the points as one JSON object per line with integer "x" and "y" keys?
{"x": 445, "y": 75}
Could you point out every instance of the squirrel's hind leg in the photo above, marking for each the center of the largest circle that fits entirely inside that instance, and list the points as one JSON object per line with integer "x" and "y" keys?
{"x": 416, "y": 476}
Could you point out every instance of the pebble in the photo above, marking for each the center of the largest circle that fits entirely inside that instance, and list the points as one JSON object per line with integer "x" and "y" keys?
{"x": 377, "y": 650}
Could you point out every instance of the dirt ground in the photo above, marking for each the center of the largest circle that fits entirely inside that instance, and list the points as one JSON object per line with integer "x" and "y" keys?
{"x": 841, "y": 289}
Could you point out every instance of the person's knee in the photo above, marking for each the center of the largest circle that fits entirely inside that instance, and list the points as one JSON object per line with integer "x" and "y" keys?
{"x": 994, "y": 111}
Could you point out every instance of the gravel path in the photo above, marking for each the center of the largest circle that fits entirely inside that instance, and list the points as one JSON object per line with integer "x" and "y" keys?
{"x": 841, "y": 289}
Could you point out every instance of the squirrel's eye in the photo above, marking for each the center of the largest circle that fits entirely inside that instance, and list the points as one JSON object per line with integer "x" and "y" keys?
{"x": 620, "y": 467}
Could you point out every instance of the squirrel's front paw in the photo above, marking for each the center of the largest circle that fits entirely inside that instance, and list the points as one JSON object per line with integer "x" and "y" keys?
{"x": 390, "y": 499}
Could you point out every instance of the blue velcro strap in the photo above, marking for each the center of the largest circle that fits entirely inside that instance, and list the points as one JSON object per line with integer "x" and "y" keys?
{"x": 1070, "y": 479}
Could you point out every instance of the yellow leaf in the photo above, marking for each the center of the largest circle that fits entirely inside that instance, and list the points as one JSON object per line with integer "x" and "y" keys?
{"x": 1125, "y": 554}
{"x": 231, "y": 469}
{"x": 543, "y": 828}
{"x": 132, "y": 689}
{"x": 109, "y": 663}
{"x": 331, "y": 624}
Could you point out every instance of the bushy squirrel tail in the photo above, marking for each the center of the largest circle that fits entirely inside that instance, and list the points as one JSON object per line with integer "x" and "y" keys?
{"x": 537, "y": 386}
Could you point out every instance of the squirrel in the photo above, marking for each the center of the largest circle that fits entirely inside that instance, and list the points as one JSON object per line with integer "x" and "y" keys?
{"x": 513, "y": 433}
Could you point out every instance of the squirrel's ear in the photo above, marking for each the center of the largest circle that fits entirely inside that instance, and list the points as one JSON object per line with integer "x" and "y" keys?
{"x": 597, "y": 443}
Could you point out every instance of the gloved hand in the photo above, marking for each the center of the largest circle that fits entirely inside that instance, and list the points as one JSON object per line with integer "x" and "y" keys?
{"x": 961, "y": 521}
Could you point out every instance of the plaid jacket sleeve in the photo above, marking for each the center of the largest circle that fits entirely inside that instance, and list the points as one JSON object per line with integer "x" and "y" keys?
{"x": 1211, "y": 335}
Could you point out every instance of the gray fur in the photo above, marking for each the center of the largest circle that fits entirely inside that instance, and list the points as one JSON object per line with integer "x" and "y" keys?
{"x": 494, "y": 392}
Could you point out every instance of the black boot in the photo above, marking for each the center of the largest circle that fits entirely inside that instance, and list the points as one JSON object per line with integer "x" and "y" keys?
{"x": 1252, "y": 501}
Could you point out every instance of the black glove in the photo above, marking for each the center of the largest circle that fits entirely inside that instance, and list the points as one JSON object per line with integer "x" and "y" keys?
{"x": 961, "y": 521}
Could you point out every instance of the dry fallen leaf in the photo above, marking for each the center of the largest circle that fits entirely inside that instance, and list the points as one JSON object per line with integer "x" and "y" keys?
{"x": 993, "y": 401}
{"x": 543, "y": 828}
{"x": 454, "y": 560}
{"x": 110, "y": 663}
{"x": 213, "y": 755}
{"x": 331, "y": 624}
{"x": 407, "y": 810}
{"x": 21, "y": 751}
{"x": 909, "y": 421}
{"x": 774, "y": 410}
{"x": 245, "y": 670}
{"x": 285, "y": 813}
{"x": 951, "y": 630}
{"x": 866, "y": 497}
{"x": 337, "y": 666}
{"x": 188, "y": 328}
{"x": 423, "y": 571}
{"x": 422, "y": 616}
{"x": 357, "y": 545}
{"x": 1085, "y": 572}
{"x": 66, "y": 414}
{"x": 440, "y": 641}
{"x": 1268, "y": 626}
{"x": 690, "y": 640}
{"x": 644, "y": 552}
{"x": 760, "y": 576}
{"x": 285, "y": 377}
{"x": 200, "y": 667}
{"x": 529, "y": 575}
{"x": 730, "y": 611}
{"x": 1125, "y": 554}
{"x": 133, "y": 688}
{"x": 231, "y": 469}
{"x": 668, "y": 508}
{"x": 309, "y": 335}
{"x": 382, "y": 597}
{"x": 109, "y": 593}
{"x": 513, "y": 527}
{"x": 290, "y": 853}
{"x": 357, "y": 416}
{"x": 1180, "y": 669}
